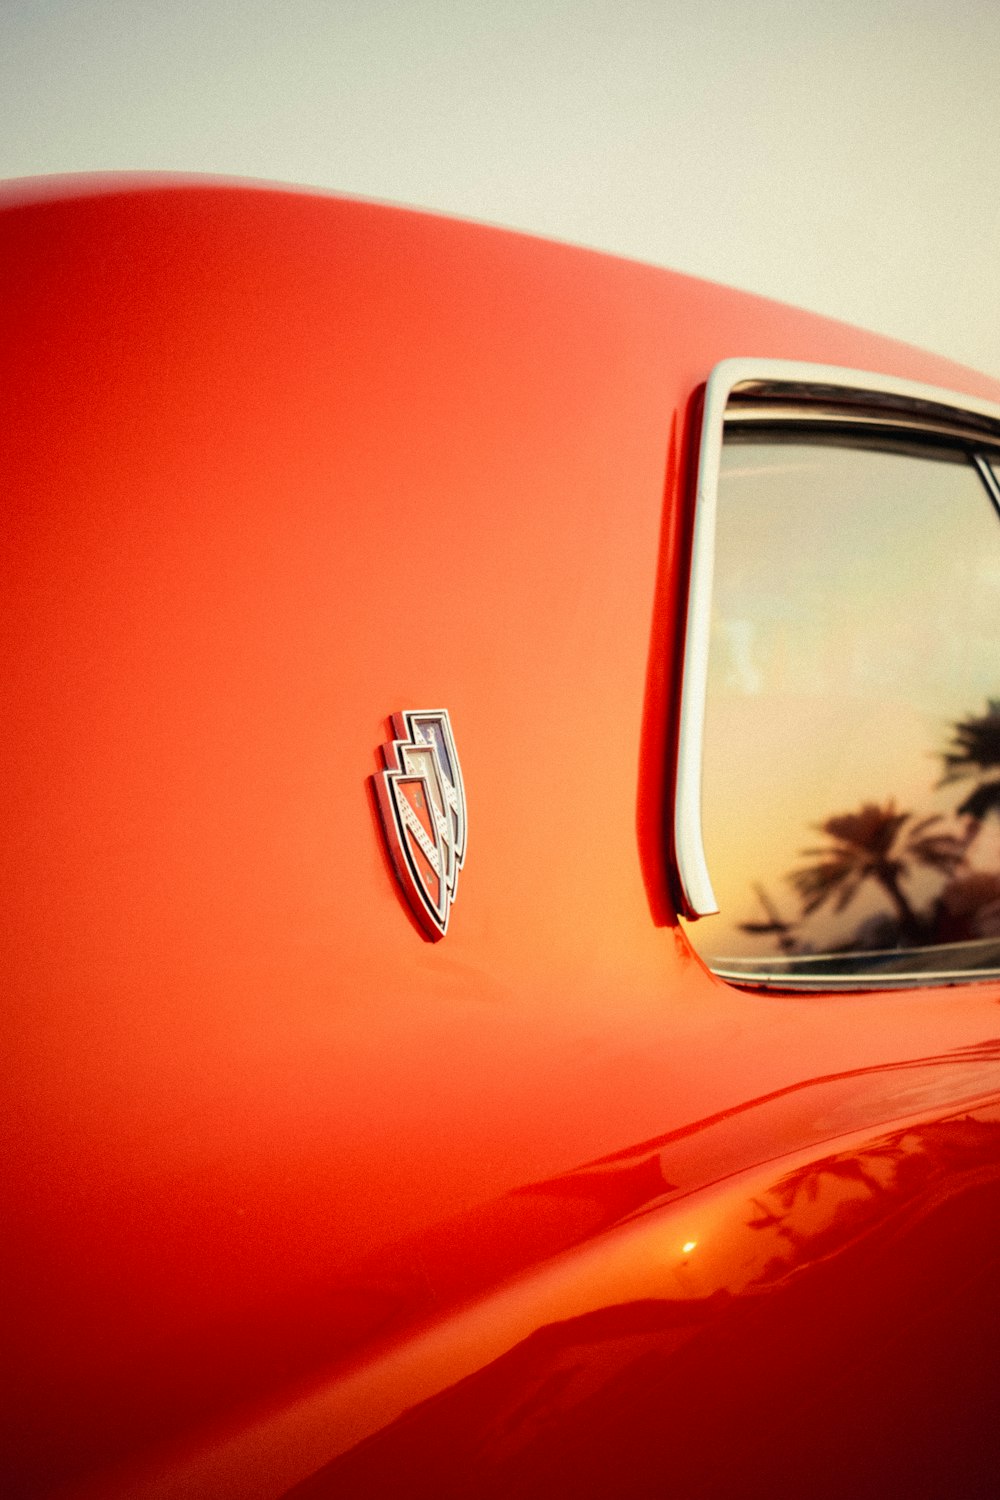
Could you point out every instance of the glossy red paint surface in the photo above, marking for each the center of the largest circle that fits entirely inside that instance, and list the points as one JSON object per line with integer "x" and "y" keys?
{"x": 278, "y": 1170}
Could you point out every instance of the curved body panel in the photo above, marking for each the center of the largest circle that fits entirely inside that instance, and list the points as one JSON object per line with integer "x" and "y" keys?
{"x": 278, "y": 467}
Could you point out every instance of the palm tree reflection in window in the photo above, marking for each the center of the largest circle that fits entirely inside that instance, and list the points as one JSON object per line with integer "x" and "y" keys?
{"x": 882, "y": 847}
{"x": 879, "y": 844}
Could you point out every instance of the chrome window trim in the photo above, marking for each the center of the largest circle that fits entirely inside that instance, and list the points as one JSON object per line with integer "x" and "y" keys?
{"x": 892, "y": 968}
{"x": 783, "y": 390}
{"x": 988, "y": 475}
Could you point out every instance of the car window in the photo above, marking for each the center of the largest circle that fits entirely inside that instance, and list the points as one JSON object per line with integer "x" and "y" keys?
{"x": 851, "y": 771}
{"x": 994, "y": 475}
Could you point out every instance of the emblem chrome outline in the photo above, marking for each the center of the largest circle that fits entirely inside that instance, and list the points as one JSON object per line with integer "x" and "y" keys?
{"x": 421, "y": 802}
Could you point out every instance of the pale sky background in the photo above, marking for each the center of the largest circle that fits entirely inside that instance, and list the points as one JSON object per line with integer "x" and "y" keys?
{"x": 843, "y": 156}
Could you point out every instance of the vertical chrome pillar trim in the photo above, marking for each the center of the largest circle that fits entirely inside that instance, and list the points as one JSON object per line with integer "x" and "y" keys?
{"x": 989, "y": 479}
{"x": 696, "y": 893}
{"x": 800, "y": 383}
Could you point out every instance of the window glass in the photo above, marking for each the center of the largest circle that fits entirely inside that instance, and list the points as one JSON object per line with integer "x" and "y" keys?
{"x": 851, "y": 785}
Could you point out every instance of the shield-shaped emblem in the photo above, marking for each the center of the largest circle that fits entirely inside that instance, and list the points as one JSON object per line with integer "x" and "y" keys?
{"x": 422, "y": 805}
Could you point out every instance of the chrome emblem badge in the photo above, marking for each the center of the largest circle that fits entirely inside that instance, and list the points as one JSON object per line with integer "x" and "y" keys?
{"x": 422, "y": 806}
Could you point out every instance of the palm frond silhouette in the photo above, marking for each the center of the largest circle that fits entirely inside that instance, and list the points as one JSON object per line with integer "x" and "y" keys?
{"x": 974, "y": 751}
{"x": 880, "y": 844}
{"x": 774, "y": 926}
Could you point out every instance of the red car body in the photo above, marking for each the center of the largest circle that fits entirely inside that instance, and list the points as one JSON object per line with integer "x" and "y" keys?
{"x": 297, "y": 1200}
